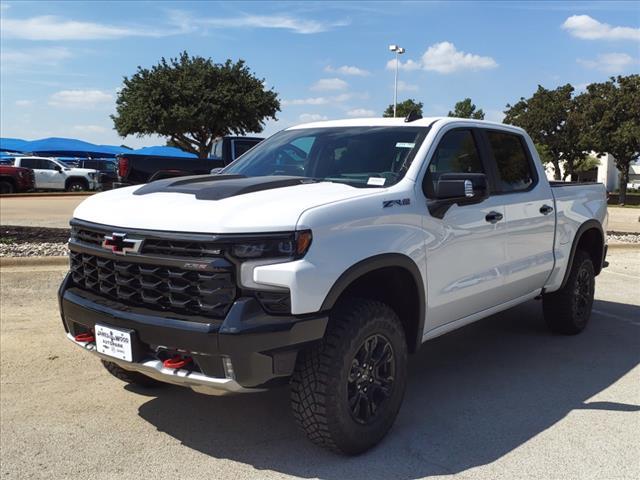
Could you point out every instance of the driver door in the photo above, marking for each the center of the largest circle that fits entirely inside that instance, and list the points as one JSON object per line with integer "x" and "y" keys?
{"x": 51, "y": 177}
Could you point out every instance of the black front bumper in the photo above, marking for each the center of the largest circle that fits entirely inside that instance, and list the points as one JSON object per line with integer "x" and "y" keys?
{"x": 262, "y": 347}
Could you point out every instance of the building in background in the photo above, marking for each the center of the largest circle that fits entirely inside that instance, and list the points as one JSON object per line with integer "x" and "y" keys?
{"x": 606, "y": 173}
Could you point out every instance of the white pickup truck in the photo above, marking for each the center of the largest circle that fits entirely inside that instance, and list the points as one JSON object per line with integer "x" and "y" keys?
{"x": 51, "y": 174}
{"x": 323, "y": 257}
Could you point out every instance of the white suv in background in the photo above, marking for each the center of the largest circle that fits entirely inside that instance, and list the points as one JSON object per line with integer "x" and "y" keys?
{"x": 51, "y": 174}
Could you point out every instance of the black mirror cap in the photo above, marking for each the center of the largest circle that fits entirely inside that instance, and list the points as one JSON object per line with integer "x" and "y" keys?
{"x": 469, "y": 186}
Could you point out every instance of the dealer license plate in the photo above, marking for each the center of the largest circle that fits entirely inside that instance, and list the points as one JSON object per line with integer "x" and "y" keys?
{"x": 114, "y": 342}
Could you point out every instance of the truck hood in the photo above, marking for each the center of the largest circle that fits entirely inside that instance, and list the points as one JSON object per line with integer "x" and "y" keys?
{"x": 222, "y": 205}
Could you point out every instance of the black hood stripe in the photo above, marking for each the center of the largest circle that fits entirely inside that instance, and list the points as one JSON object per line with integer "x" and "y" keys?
{"x": 219, "y": 187}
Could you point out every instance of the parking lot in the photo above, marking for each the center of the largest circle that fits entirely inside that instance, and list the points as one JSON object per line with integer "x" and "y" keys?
{"x": 501, "y": 398}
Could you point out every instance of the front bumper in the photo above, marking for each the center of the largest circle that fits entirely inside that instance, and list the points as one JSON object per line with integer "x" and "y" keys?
{"x": 262, "y": 348}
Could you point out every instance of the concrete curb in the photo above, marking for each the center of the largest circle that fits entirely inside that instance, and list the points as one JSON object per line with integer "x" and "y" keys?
{"x": 34, "y": 261}
{"x": 47, "y": 194}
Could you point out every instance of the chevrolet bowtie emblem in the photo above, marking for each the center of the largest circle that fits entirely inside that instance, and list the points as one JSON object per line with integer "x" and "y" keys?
{"x": 120, "y": 244}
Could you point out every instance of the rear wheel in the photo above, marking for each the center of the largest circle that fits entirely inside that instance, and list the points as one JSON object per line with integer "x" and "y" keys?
{"x": 127, "y": 376}
{"x": 77, "y": 186}
{"x": 6, "y": 187}
{"x": 347, "y": 390}
{"x": 568, "y": 310}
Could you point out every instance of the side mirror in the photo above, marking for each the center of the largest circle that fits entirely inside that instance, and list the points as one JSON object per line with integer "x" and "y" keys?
{"x": 461, "y": 186}
{"x": 58, "y": 168}
{"x": 216, "y": 171}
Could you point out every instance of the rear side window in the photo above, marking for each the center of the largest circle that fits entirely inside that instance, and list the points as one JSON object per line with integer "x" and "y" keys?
{"x": 456, "y": 153}
{"x": 515, "y": 171}
{"x": 29, "y": 163}
{"x": 243, "y": 146}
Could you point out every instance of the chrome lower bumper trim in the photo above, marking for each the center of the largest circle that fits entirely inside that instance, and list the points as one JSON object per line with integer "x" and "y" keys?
{"x": 153, "y": 368}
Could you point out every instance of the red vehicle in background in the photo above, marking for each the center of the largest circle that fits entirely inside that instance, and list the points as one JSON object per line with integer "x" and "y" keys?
{"x": 16, "y": 179}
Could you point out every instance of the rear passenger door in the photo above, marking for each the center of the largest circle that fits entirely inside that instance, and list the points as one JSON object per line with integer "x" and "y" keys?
{"x": 39, "y": 173}
{"x": 529, "y": 215}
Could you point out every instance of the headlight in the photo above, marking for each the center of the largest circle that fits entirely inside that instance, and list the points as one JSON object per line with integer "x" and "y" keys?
{"x": 293, "y": 245}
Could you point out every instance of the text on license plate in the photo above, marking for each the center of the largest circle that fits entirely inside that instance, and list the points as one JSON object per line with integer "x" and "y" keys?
{"x": 114, "y": 343}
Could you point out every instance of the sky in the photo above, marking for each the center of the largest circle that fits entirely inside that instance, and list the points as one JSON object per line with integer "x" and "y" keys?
{"x": 62, "y": 63}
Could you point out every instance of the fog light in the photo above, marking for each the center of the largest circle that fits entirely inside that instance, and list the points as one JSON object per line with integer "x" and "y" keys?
{"x": 228, "y": 368}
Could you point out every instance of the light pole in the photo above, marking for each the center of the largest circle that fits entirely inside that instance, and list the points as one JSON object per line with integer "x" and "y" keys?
{"x": 399, "y": 51}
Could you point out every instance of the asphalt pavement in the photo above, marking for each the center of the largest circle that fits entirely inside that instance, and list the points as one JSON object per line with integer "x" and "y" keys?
{"x": 500, "y": 399}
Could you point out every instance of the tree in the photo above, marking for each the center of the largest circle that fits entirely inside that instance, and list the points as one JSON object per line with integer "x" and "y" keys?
{"x": 611, "y": 113}
{"x": 192, "y": 101}
{"x": 404, "y": 108}
{"x": 466, "y": 109}
{"x": 552, "y": 120}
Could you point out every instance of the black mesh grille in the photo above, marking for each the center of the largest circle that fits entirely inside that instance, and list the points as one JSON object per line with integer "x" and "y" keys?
{"x": 181, "y": 248}
{"x": 156, "y": 287}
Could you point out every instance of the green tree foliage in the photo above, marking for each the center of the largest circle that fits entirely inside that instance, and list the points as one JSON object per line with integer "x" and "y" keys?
{"x": 466, "y": 109}
{"x": 552, "y": 120}
{"x": 192, "y": 101}
{"x": 404, "y": 108}
{"x": 611, "y": 122}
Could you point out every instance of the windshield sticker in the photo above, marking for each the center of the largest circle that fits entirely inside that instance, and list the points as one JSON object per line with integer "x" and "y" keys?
{"x": 378, "y": 181}
{"x": 405, "y": 145}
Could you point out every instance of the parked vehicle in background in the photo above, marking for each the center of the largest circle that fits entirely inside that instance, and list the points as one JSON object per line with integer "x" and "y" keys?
{"x": 106, "y": 167}
{"x": 134, "y": 169}
{"x": 16, "y": 179}
{"x": 323, "y": 257}
{"x": 52, "y": 174}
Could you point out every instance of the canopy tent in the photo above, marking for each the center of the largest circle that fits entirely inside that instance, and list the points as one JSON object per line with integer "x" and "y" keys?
{"x": 68, "y": 147}
{"x": 162, "y": 152}
{"x": 12, "y": 144}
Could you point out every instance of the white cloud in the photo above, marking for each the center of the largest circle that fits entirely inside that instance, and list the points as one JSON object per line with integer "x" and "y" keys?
{"x": 38, "y": 56}
{"x": 408, "y": 66}
{"x": 79, "y": 98}
{"x": 588, "y": 28}
{"x": 283, "y": 22}
{"x": 89, "y": 129}
{"x": 609, "y": 62}
{"x": 361, "y": 112}
{"x": 348, "y": 70}
{"x": 312, "y": 117}
{"x": 406, "y": 87}
{"x": 24, "y": 103}
{"x": 325, "y": 84}
{"x": 443, "y": 57}
{"x": 343, "y": 97}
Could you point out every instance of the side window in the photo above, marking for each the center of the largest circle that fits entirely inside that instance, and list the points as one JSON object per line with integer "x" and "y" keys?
{"x": 29, "y": 163}
{"x": 457, "y": 152}
{"x": 216, "y": 150}
{"x": 242, "y": 146}
{"x": 48, "y": 165}
{"x": 514, "y": 169}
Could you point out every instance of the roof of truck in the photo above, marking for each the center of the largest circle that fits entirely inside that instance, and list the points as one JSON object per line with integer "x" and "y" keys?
{"x": 398, "y": 122}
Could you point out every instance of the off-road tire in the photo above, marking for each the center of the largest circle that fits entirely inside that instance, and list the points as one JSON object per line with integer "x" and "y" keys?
{"x": 127, "y": 376}
{"x": 6, "y": 187}
{"x": 321, "y": 382}
{"x": 77, "y": 186}
{"x": 567, "y": 311}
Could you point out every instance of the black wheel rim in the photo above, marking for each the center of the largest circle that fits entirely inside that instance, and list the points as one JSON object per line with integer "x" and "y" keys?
{"x": 583, "y": 294}
{"x": 371, "y": 378}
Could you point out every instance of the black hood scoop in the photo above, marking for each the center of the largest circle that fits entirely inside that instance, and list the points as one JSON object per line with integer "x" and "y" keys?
{"x": 219, "y": 187}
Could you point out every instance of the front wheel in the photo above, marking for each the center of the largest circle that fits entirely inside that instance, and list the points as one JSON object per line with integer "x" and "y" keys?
{"x": 568, "y": 310}
{"x": 77, "y": 186}
{"x": 347, "y": 390}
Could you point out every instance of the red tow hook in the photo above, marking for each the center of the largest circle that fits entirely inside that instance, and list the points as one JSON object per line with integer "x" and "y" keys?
{"x": 84, "y": 337}
{"x": 176, "y": 362}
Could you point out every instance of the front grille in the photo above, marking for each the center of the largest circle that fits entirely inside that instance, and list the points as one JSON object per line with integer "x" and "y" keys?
{"x": 154, "y": 246}
{"x": 163, "y": 288}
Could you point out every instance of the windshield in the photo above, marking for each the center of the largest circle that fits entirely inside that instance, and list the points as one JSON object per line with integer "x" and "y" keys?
{"x": 358, "y": 156}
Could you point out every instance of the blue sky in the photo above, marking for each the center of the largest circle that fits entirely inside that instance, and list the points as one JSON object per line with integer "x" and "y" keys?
{"x": 63, "y": 62}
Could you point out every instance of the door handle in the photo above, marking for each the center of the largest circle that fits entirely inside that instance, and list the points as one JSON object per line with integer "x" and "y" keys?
{"x": 493, "y": 217}
{"x": 546, "y": 209}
